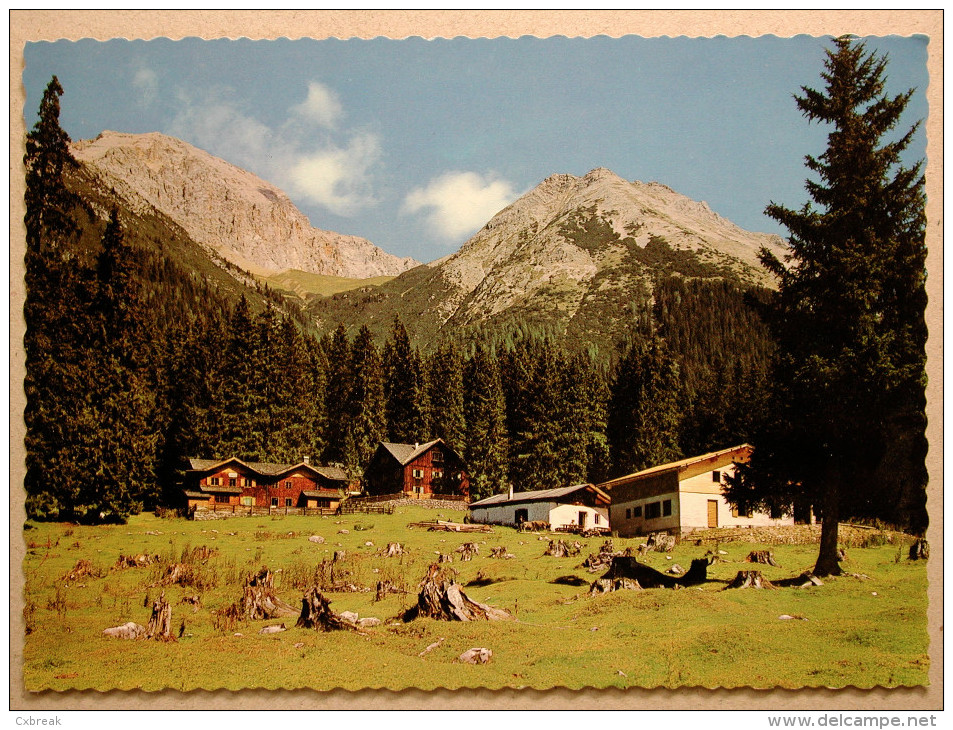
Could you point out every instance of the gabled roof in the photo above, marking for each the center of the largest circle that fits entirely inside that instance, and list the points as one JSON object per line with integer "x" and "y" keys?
{"x": 406, "y": 453}
{"x": 687, "y": 468}
{"x": 268, "y": 469}
{"x": 540, "y": 495}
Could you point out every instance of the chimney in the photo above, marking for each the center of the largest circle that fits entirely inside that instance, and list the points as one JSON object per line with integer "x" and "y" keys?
{"x": 511, "y": 491}
{"x": 307, "y": 460}
{"x": 416, "y": 445}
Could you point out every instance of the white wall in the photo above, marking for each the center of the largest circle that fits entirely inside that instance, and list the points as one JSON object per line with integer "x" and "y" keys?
{"x": 694, "y": 514}
{"x": 557, "y": 515}
{"x": 563, "y": 515}
{"x": 641, "y": 525}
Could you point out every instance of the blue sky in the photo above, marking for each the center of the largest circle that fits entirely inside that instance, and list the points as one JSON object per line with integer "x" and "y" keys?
{"x": 415, "y": 144}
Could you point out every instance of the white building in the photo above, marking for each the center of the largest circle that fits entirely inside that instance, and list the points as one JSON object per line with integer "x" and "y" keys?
{"x": 582, "y": 506}
{"x": 681, "y": 497}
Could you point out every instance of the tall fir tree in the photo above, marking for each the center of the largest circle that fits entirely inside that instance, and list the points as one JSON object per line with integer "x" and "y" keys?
{"x": 404, "y": 388}
{"x": 644, "y": 418}
{"x": 486, "y": 451}
{"x": 340, "y": 377}
{"x": 365, "y": 427}
{"x": 849, "y": 314}
{"x": 444, "y": 382}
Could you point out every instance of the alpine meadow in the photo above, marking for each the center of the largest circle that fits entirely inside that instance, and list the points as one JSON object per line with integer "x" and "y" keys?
{"x": 552, "y": 455}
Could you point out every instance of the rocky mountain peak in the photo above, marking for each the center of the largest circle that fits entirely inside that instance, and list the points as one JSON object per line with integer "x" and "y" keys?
{"x": 234, "y": 213}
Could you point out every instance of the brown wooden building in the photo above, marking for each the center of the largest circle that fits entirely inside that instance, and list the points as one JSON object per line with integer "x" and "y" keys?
{"x": 212, "y": 483}
{"x": 418, "y": 471}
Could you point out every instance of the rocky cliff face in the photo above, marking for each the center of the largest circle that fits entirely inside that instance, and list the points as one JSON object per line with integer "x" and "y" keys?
{"x": 571, "y": 256}
{"x": 239, "y": 216}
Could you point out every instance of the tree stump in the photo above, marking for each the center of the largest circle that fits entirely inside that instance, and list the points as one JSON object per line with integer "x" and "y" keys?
{"x": 920, "y": 550}
{"x": 467, "y": 550}
{"x": 441, "y": 598}
{"x": 130, "y": 630}
{"x": 339, "y": 556}
{"x": 316, "y": 613}
{"x": 607, "y": 585}
{"x": 749, "y": 579}
{"x": 392, "y": 550}
{"x": 259, "y": 600}
{"x": 384, "y": 588}
{"x": 500, "y": 552}
{"x": 160, "y": 624}
{"x": 561, "y": 549}
{"x": 441, "y": 558}
{"x": 765, "y": 557}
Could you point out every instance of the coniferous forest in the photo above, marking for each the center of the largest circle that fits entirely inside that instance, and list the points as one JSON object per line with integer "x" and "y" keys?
{"x": 134, "y": 363}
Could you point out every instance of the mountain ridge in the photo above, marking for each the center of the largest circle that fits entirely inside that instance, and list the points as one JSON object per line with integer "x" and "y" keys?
{"x": 242, "y": 218}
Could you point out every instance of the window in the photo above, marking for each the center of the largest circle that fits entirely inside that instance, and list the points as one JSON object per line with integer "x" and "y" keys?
{"x": 274, "y": 501}
{"x": 637, "y": 511}
{"x": 213, "y": 481}
{"x": 437, "y": 456}
{"x": 596, "y": 520}
{"x": 437, "y": 474}
{"x": 653, "y": 510}
{"x": 716, "y": 477}
{"x": 667, "y": 508}
{"x": 231, "y": 481}
{"x": 418, "y": 473}
{"x": 247, "y": 501}
{"x": 288, "y": 484}
{"x": 287, "y": 501}
{"x": 628, "y": 514}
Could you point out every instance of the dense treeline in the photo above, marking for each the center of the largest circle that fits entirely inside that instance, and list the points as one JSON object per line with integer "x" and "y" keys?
{"x": 134, "y": 364}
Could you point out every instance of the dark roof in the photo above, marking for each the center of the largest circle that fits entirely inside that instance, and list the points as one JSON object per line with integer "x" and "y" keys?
{"x": 268, "y": 469}
{"x": 335, "y": 473}
{"x": 539, "y": 495}
{"x": 406, "y": 453}
{"x": 317, "y": 493}
{"x": 195, "y": 495}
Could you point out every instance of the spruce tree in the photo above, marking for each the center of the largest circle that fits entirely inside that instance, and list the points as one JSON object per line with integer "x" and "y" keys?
{"x": 644, "y": 417}
{"x": 365, "y": 425}
{"x": 445, "y": 396}
{"x": 340, "y": 377}
{"x": 485, "y": 411}
{"x": 849, "y": 315}
{"x": 403, "y": 388}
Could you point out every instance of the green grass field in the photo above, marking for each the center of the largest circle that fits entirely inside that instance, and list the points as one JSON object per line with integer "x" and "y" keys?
{"x": 304, "y": 283}
{"x": 850, "y": 631}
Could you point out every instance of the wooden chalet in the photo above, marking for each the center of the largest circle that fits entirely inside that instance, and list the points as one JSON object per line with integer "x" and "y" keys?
{"x": 417, "y": 471}
{"x": 236, "y": 485}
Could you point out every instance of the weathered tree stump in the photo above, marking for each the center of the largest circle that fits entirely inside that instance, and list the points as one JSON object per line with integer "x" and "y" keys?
{"x": 500, "y": 553}
{"x": 160, "y": 624}
{"x": 340, "y": 556}
{"x": 384, "y": 588}
{"x": 749, "y": 579}
{"x": 629, "y": 567}
{"x": 259, "y": 600}
{"x": 607, "y": 585}
{"x": 562, "y": 549}
{"x": 467, "y": 550}
{"x": 920, "y": 550}
{"x": 441, "y": 598}
{"x": 662, "y": 542}
{"x": 200, "y": 554}
{"x": 317, "y": 614}
{"x": 441, "y": 558}
{"x": 82, "y": 569}
{"x": 392, "y": 550}
{"x": 765, "y": 557}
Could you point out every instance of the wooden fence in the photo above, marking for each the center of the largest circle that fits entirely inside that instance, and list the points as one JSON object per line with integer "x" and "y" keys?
{"x": 215, "y": 511}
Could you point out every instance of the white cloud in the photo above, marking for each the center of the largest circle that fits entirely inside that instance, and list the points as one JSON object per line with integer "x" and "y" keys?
{"x": 146, "y": 82}
{"x": 321, "y": 106}
{"x": 334, "y": 169}
{"x": 459, "y": 202}
{"x": 339, "y": 178}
